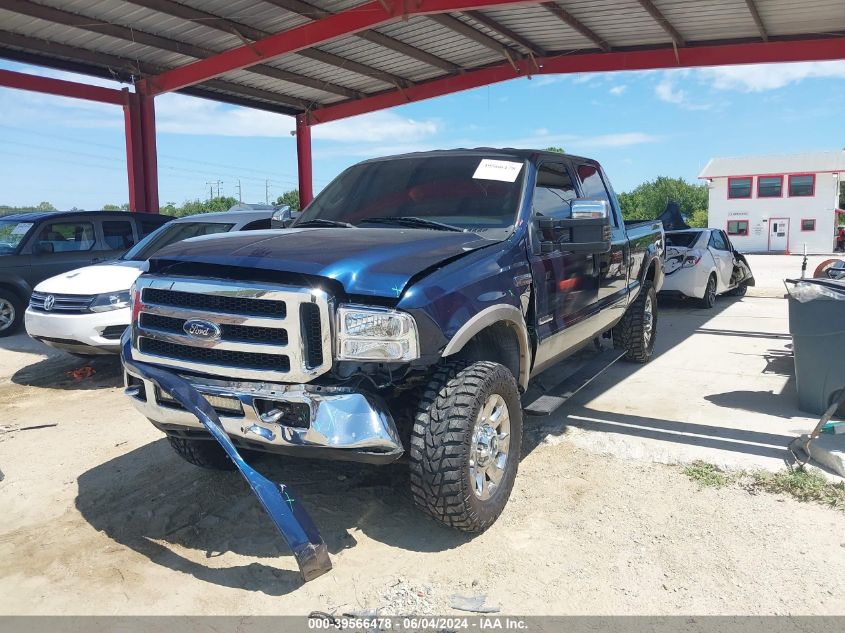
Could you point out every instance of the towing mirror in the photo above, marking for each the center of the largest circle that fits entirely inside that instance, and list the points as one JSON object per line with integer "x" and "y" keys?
{"x": 586, "y": 231}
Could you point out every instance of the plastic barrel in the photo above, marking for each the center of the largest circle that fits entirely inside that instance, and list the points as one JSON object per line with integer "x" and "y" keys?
{"x": 818, "y": 336}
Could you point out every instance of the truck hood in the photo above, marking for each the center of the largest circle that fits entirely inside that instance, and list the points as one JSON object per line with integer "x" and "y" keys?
{"x": 366, "y": 261}
{"x": 92, "y": 280}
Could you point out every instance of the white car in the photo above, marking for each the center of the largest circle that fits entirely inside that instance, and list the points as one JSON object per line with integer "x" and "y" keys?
{"x": 702, "y": 263}
{"x": 86, "y": 310}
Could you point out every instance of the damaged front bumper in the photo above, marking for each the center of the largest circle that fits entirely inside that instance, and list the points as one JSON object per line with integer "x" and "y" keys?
{"x": 279, "y": 500}
{"x": 325, "y": 422}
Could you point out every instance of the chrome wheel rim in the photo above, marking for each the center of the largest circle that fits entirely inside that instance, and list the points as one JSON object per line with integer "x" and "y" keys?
{"x": 488, "y": 454}
{"x": 7, "y": 314}
{"x": 648, "y": 319}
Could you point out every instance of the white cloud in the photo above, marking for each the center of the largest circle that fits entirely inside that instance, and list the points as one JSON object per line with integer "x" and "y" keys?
{"x": 762, "y": 77}
{"x": 666, "y": 91}
{"x": 377, "y": 127}
{"x": 618, "y": 90}
{"x": 624, "y": 139}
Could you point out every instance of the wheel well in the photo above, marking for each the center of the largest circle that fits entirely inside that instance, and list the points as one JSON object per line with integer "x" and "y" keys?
{"x": 651, "y": 272}
{"x": 497, "y": 343}
{"x": 14, "y": 290}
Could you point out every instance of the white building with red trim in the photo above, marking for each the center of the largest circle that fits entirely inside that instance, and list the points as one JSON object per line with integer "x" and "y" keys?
{"x": 777, "y": 203}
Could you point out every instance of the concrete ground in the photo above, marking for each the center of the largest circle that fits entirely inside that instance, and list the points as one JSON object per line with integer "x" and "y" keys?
{"x": 101, "y": 517}
{"x": 721, "y": 387}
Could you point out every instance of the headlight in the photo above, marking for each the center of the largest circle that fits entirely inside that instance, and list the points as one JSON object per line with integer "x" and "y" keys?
{"x": 375, "y": 334}
{"x": 110, "y": 301}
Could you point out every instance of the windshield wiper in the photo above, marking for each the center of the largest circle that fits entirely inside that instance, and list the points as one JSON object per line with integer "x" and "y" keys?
{"x": 413, "y": 222}
{"x": 322, "y": 222}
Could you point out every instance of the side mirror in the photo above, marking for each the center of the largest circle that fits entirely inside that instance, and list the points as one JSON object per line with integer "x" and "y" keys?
{"x": 283, "y": 218}
{"x": 586, "y": 231}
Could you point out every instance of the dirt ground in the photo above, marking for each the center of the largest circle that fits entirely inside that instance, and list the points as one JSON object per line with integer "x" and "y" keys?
{"x": 99, "y": 516}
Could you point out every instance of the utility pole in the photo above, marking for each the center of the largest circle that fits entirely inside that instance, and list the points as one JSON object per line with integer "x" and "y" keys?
{"x": 267, "y": 191}
{"x": 240, "y": 197}
{"x": 211, "y": 188}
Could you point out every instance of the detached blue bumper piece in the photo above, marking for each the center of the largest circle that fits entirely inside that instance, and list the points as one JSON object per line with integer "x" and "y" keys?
{"x": 279, "y": 500}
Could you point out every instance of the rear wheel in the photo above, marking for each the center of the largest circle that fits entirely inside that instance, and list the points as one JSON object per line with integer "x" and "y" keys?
{"x": 637, "y": 331}
{"x": 11, "y": 312}
{"x": 465, "y": 444}
{"x": 709, "y": 298}
{"x": 203, "y": 453}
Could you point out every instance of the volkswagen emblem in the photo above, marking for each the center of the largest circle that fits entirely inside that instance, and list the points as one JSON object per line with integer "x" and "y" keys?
{"x": 49, "y": 302}
{"x": 204, "y": 330}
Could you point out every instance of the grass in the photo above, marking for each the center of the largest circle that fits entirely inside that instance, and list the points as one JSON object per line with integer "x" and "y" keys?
{"x": 800, "y": 483}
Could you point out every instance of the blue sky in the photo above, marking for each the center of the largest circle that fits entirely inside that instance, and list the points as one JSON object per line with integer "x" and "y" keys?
{"x": 638, "y": 124}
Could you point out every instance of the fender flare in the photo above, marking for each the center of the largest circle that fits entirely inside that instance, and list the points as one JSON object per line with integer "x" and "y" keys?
{"x": 501, "y": 313}
{"x": 17, "y": 285}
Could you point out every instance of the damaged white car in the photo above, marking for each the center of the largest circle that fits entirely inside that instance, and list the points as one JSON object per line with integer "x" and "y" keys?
{"x": 702, "y": 263}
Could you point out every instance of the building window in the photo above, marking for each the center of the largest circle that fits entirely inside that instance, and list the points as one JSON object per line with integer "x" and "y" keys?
{"x": 802, "y": 185}
{"x": 739, "y": 187}
{"x": 737, "y": 227}
{"x": 769, "y": 186}
{"x": 808, "y": 225}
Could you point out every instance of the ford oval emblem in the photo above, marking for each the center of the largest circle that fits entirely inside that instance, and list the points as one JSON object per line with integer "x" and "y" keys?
{"x": 205, "y": 330}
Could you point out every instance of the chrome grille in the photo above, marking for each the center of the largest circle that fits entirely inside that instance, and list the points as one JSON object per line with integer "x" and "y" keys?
{"x": 61, "y": 303}
{"x": 259, "y": 330}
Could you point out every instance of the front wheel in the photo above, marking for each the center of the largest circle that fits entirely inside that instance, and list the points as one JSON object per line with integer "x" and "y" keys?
{"x": 11, "y": 312}
{"x": 739, "y": 291}
{"x": 466, "y": 443}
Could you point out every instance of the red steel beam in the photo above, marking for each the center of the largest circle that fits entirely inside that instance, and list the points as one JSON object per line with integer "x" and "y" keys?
{"x": 60, "y": 87}
{"x": 366, "y": 16}
{"x": 647, "y": 59}
{"x": 303, "y": 161}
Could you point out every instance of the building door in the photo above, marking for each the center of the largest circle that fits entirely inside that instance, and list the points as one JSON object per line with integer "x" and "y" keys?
{"x": 779, "y": 234}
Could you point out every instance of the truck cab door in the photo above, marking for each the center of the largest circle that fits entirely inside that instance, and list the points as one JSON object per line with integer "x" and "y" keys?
{"x": 613, "y": 268}
{"x": 566, "y": 283}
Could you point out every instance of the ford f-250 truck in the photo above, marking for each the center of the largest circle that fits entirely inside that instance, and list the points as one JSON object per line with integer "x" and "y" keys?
{"x": 403, "y": 313}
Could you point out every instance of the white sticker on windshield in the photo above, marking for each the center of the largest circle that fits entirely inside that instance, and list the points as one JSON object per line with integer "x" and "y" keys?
{"x": 503, "y": 170}
{"x": 21, "y": 228}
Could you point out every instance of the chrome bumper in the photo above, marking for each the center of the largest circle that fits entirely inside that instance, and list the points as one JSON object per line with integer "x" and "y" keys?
{"x": 341, "y": 424}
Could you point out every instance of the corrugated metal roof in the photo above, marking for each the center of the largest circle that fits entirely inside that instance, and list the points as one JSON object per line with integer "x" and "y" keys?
{"x": 808, "y": 162}
{"x": 144, "y": 37}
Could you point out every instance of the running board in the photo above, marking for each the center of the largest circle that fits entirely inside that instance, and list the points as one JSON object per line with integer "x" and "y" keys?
{"x": 538, "y": 402}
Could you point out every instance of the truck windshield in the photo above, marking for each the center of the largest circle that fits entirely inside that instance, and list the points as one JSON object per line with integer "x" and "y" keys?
{"x": 171, "y": 233}
{"x": 12, "y": 233}
{"x": 459, "y": 192}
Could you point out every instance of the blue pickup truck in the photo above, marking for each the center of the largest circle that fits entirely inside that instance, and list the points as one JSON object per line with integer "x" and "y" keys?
{"x": 401, "y": 314}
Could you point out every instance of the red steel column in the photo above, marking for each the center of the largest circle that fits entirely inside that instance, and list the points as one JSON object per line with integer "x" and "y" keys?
{"x": 303, "y": 160}
{"x": 134, "y": 159}
{"x": 141, "y": 160}
{"x": 148, "y": 147}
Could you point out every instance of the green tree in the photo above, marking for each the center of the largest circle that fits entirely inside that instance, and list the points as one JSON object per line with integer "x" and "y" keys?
{"x": 192, "y": 207}
{"x": 842, "y": 195}
{"x": 649, "y": 199}
{"x": 116, "y": 207}
{"x": 559, "y": 150}
{"x": 45, "y": 206}
{"x": 290, "y": 198}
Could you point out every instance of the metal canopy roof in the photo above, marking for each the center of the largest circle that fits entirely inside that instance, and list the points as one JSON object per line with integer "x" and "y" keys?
{"x": 343, "y": 57}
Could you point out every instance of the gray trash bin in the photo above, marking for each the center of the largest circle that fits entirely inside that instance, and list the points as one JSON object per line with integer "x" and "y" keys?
{"x": 817, "y": 325}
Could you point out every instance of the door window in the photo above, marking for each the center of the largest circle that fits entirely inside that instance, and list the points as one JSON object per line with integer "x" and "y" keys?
{"x": 717, "y": 241}
{"x": 554, "y": 192}
{"x": 148, "y": 226}
{"x": 118, "y": 235}
{"x": 65, "y": 237}
{"x": 593, "y": 186}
